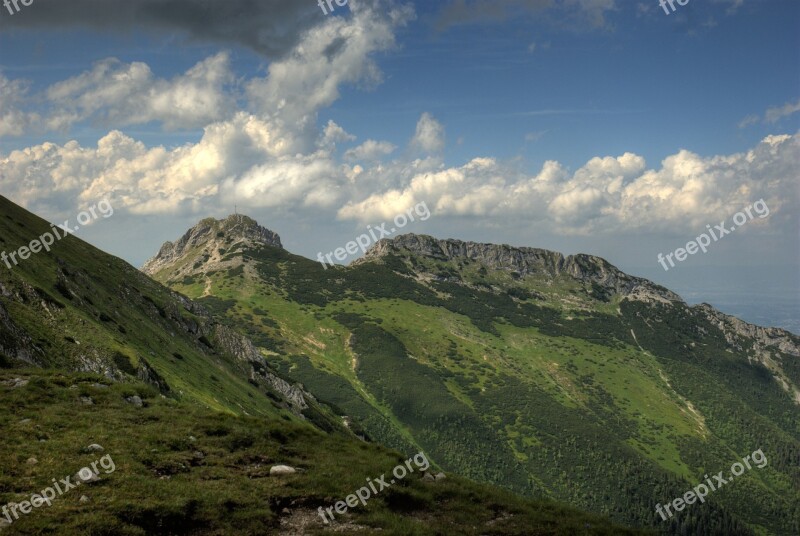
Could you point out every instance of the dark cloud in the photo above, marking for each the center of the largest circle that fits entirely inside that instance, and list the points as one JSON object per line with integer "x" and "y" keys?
{"x": 270, "y": 27}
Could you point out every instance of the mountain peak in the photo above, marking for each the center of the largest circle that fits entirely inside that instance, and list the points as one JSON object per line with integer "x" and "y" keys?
{"x": 213, "y": 238}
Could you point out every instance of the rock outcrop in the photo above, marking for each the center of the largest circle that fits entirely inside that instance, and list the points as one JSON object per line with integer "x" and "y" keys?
{"x": 213, "y": 236}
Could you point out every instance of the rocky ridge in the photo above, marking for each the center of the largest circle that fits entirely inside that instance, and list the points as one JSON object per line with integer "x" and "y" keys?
{"x": 525, "y": 261}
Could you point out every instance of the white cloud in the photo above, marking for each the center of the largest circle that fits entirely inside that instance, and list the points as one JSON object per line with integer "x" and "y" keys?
{"x": 13, "y": 120}
{"x": 330, "y": 55}
{"x": 772, "y": 115}
{"x": 370, "y": 150}
{"x": 533, "y": 137}
{"x": 607, "y": 194}
{"x": 119, "y": 94}
{"x": 429, "y": 137}
{"x": 333, "y": 134}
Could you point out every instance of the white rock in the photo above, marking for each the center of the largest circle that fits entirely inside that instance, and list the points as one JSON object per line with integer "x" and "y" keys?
{"x": 278, "y": 470}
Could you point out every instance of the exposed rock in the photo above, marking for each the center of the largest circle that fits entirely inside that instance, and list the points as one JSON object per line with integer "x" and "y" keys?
{"x": 771, "y": 347}
{"x": 135, "y": 400}
{"x": 147, "y": 374}
{"x": 279, "y": 470}
{"x": 84, "y": 499}
{"x": 94, "y": 447}
{"x": 427, "y": 477}
{"x": 15, "y": 342}
{"x": 15, "y": 383}
{"x": 87, "y": 401}
{"x": 243, "y": 349}
{"x": 32, "y": 461}
{"x": 440, "y": 476}
{"x": 213, "y": 235}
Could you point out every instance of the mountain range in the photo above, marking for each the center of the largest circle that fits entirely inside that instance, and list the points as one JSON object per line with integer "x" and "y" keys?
{"x": 530, "y": 376}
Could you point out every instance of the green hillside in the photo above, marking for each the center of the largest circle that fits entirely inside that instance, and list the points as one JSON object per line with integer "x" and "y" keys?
{"x": 77, "y": 308}
{"x": 97, "y": 359}
{"x": 551, "y": 376}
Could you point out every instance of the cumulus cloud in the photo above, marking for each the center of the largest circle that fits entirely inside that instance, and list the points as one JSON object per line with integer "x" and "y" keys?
{"x": 271, "y": 155}
{"x": 607, "y": 194}
{"x": 243, "y": 161}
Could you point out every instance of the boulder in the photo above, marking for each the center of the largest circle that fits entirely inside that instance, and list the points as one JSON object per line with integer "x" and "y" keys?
{"x": 279, "y": 470}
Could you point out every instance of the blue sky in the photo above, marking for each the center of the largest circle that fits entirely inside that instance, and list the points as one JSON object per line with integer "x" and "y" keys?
{"x": 598, "y": 126}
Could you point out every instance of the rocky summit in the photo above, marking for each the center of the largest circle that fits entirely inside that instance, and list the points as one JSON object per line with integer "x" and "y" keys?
{"x": 213, "y": 239}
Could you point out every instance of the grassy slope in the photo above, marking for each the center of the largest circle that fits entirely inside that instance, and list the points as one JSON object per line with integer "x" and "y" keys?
{"x": 182, "y": 469}
{"x": 557, "y": 397}
{"x": 101, "y": 311}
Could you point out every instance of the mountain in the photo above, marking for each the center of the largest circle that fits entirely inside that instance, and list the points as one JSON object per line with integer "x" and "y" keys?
{"x": 552, "y": 376}
{"x": 79, "y": 309}
{"x": 190, "y": 420}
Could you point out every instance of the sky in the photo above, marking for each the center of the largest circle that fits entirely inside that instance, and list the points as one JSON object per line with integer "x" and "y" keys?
{"x": 618, "y": 128}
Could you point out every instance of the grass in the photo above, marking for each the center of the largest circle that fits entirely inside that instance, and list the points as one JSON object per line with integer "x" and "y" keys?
{"x": 183, "y": 469}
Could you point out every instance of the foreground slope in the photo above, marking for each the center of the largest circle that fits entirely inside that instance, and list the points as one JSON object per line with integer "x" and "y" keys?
{"x": 550, "y": 375}
{"x": 181, "y": 469}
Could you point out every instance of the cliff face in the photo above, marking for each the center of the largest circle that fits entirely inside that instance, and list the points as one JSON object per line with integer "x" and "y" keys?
{"x": 211, "y": 236}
